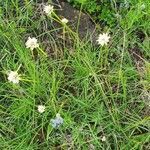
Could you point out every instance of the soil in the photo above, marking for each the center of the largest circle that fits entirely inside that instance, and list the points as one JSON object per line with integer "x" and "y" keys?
{"x": 78, "y": 21}
{"x": 137, "y": 56}
{"x": 85, "y": 27}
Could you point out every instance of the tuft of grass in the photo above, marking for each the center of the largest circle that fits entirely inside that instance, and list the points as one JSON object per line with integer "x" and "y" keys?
{"x": 99, "y": 91}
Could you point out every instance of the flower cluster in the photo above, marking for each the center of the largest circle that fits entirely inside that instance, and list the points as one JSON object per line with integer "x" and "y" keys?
{"x": 32, "y": 43}
{"x": 13, "y": 77}
{"x": 41, "y": 108}
{"x": 48, "y": 9}
{"x": 64, "y": 21}
{"x": 103, "y": 138}
{"x": 103, "y": 39}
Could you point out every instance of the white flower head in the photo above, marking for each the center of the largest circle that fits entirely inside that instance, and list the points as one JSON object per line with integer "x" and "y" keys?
{"x": 48, "y": 9}
{"x": 64, "y": 21}
{"x": 32, "y": 43}
{"x": 103, "y": 139}
{"x": 103, "y": 39}
{"x": 13, "y": 77}
{"x": 57, "y": 121}
{"x": 41, "y": 108}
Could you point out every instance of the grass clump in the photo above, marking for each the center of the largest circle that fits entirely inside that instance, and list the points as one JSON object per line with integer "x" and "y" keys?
{"x": 100, "y": 92}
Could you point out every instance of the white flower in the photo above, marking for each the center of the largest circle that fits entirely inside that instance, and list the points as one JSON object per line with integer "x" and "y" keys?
{"x": 48, "y": 9}
{"x": 103, "y": 39}
{"x": 103, "y": 139}
{"x": 32, "y": 43}
{"x": 57, "y": 121}
{"x": 13, "y": 77}
{"x": 41, "y": 108}
{"x": 64, "y": 21}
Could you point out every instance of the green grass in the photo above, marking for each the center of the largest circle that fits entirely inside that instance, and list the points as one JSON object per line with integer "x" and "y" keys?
{"x": 99, "y": 91}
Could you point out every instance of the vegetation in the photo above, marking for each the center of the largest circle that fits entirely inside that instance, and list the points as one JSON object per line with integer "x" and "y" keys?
{"x": 101, "y": 92}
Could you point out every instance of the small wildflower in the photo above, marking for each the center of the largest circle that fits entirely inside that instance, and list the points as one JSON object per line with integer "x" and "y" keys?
{"x": 64, "y": 21}
{"x": 32, "y": 43}
{"x": 103, "y": 39}
{"x": 13, "y": 77}
{"x": 48, "y": 9}
{"x": 57, "y": 121}
{"x": 103, "y": 139}
{"x": 41, "y": 108}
